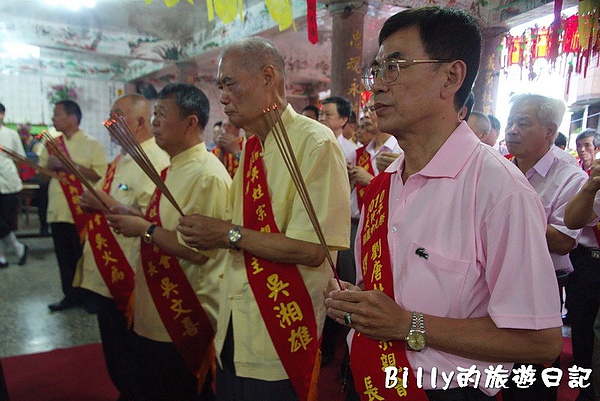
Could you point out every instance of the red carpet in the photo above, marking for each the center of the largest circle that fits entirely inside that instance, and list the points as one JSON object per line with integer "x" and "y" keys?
{"x": 72, "y": 374}
{"x": 79, "y": 374}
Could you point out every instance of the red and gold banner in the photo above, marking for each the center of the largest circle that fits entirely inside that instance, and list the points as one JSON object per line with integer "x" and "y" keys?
{"x": 110, "y": 259}
{"x": 176, "y": 301}
{"x": 73, "y": 190}
{"x": 363, "y": 159}
{"x": 369, "y": 358}
{"x": 284, "y": 302}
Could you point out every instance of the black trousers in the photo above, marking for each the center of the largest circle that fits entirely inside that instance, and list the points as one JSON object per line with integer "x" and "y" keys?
{"x": 68, "y": 250}
{"x": 583, "y": 302}
{"x": 3, "y": 389}
{"x": 41, "y": 200}
{"x": 231, "y": 387}
{"x": 9, "y": 206}
{"x": 346, "y": 267}
{"x": 537, "y": 391}
{"x": 162, "y": 374}
{"x": 116, "y": 345}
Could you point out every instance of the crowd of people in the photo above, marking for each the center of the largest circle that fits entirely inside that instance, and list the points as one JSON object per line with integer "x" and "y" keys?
{"x": 449, "y": 248}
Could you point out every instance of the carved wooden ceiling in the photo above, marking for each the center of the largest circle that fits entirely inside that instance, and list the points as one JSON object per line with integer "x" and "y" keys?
{"x": 126, "y": 40}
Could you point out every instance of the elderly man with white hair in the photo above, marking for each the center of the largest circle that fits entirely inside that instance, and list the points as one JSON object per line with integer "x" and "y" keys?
{"x": 532, "y": 126}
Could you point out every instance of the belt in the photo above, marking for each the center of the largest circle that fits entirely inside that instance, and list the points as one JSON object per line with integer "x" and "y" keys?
{"x": 588, "y": 252}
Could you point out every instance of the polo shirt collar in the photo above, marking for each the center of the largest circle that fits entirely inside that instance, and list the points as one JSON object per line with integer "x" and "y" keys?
{"x": 450, "y": 158}
{"x": 544, "y": 164}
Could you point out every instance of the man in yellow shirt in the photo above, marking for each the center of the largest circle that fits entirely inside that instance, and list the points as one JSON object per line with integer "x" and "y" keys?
{"x": 64, "y": 214}
{"x": 124, "y": 185}
{"x": 176, "y": 287}
{"x": 271, "y": 314}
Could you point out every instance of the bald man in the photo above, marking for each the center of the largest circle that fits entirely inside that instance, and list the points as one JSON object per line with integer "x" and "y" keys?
{"x": 126, "y": 185}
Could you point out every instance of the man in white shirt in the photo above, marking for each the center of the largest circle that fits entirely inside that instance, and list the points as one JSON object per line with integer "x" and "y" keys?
{"x": 335, "y": 113}
{"x": 10, "y": 186}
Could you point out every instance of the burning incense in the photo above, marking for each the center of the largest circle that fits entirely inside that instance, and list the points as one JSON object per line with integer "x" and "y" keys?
{"x": 119, "y": 130}
{"x": 68, "y": 164}
{"x": 283, "y": 143}
{"x": 30, "y": 163}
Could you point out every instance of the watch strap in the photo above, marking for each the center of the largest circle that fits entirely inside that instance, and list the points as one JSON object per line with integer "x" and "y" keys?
{"x": 148, "y": 234}
{"x": 417, "y": 331}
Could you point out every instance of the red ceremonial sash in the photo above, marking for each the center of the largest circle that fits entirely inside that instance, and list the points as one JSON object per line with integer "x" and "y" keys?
{"x": 176, "y": 301}
{"x": 73, "y": 190}
{"x": 228, "y": 159}
{"x": 370, "y": 357}
{"x": 284, "y": 302}
{"x": 363, "y": 159}
{"x": 110, "y": 259}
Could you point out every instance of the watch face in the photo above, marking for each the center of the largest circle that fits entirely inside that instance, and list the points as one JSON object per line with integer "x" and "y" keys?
{"x": 234, "y": 236}
{"x": 416, "y": 340}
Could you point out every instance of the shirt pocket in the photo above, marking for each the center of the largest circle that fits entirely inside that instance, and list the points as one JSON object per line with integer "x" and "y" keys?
{"x": 431, "y": 282}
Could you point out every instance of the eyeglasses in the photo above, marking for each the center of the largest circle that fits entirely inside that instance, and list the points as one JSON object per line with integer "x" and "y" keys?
{"x": 388, "y": 70}
{"x": 368, "y": 109}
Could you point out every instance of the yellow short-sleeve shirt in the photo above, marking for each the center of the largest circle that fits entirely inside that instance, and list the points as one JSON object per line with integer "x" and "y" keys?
{"x": 130, "y": 187}
{"x": 323, "y": 167}
{"x": 83, "y": 150}
{"x": 200, "y": 184}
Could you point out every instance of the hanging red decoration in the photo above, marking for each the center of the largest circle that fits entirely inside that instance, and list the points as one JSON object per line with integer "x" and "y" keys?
{"x": 577, "y": 36}
{"x": 311, "y": 20}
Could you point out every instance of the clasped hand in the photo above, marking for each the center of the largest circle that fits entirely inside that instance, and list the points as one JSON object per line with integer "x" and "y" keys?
{"x": 203, "y": 232}
{"x": 373, "y": 313}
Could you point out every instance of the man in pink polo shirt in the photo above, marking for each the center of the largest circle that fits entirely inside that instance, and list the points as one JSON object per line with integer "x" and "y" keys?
{"x": 452, "y": 261}
{"x": 531, "y": 130}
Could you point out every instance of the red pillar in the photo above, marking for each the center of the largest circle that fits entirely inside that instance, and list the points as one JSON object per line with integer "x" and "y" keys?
{"x": 346, "y": 50}
{"x": 486, "y": 84}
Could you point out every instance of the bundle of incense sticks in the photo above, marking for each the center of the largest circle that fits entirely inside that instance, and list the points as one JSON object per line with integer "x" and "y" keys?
{"x": 283, "y": 143}
{"x": 68, "y": 165}
{"x": 20, "y": 159}
{"x": 119, "y": 130}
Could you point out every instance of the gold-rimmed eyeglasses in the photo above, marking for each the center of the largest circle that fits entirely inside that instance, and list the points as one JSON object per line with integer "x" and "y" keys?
{"x": 388, "y": 70}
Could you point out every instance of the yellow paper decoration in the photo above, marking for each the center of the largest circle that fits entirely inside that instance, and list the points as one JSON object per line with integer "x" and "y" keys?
{"x": 589, "y": 12}
{"x": 225, "y": 9}
{"x": 170, "y": 3}
{"x": 281, "y": 12}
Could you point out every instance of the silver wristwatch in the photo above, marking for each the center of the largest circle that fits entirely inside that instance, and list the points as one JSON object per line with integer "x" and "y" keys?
{"x": 234, "y": 237}
{"x": 415, "y": 340}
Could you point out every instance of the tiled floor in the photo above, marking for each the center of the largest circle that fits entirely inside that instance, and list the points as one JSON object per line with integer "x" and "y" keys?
{"x": 26, "y": 324}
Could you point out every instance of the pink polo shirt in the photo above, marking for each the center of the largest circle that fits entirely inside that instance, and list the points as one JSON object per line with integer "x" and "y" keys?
{"x": 556, "y": 181}
{"x": 483, "y": 227}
